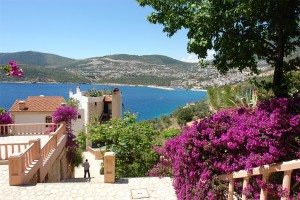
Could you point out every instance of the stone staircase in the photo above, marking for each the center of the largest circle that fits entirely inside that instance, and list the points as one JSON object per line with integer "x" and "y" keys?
{"x": 151, "y": 188}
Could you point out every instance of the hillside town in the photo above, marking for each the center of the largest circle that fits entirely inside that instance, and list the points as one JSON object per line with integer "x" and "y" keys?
{"x": 180, "y": 75}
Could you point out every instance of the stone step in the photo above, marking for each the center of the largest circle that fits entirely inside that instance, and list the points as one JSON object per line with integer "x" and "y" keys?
{"x": 84, "y": 180}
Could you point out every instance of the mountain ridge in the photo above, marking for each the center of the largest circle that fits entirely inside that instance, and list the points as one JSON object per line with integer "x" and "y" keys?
{"x": 48, "y": 59}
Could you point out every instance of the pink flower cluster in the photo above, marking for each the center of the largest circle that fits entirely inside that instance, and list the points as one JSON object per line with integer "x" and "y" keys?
{"x": 232, "y": 140}
{"x": 14, "y": 70}
{"x": 67, "y": 114}
{"x": 5, "y": 118}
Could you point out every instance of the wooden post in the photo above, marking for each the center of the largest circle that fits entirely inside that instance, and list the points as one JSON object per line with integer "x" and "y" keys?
{"x": 286, "y": 183}
{"x": 264, "y": 193}
{"x": 245, "y": 184}
{"x": 231, "y": 189}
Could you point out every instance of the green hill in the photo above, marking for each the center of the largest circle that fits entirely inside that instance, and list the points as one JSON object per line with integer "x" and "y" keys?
{"x": 35, "y": 58}
{"x": 45, "y": 74}
{"x": 151, "y": 59}
{"x": 119, "y": 68}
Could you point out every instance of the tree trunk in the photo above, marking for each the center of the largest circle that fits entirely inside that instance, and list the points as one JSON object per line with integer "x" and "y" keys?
{"x": 279, "y": 88}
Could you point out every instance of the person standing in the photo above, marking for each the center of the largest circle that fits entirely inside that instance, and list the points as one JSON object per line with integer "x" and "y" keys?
{"x": 86, "y": 167}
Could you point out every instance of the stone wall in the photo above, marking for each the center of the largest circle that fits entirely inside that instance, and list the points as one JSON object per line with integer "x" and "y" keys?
{"x": 60, "y": 169}
{"x": 94, "y": 109}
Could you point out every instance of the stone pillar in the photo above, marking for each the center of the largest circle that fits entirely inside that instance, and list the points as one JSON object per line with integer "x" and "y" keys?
{"x": 109, "y": 167}
{"x": 15, "y": 169}
{"x": 36, "y": 148}
{"x": 116, "y": 103}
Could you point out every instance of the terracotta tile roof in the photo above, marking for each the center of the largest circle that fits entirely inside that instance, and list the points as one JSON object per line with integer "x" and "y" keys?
{"x": 107, "y": 99}
{"x": 39, "y": 104}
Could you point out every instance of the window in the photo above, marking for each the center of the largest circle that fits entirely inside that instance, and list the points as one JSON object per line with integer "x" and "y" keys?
{"x": 48, "y": 119}
{"x": 79, "y": 116}
{"x": 95, "y": 103}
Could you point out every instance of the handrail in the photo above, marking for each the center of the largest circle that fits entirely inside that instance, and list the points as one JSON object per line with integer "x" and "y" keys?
{"x": 265, "y": 171}
{"x": 22, "y": 166}
{"x": 96, "y": 153}
{"x": 27, "y": 129}
{"x": 7, "y": 150}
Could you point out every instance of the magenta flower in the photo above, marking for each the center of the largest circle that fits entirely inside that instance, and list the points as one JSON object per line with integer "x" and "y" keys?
{"x": 13, "y": 70}
{"x": 232, "y": 140}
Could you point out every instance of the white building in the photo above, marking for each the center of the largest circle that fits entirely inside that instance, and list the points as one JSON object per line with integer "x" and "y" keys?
{"x": 103, "y": 108}
{"x": 35, "y": 109}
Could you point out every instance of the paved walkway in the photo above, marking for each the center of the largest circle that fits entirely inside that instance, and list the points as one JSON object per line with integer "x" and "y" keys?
{"x": 80, "y": 188}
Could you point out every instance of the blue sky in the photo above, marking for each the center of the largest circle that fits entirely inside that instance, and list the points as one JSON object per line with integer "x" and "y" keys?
{"x": 85, "y": 28}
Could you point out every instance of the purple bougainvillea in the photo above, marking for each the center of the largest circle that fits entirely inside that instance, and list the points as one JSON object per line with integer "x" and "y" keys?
{"x": 232, "y": 140}
{"x": 67, "y": 114}
{"x": 5, "y": 118}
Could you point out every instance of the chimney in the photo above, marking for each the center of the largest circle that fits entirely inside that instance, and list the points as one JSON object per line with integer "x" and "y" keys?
{"x": 78, "y": 89}
{"x": 63, "y": 104}
{"x": 70, "y": 93}
{"x": 21, "y": 105}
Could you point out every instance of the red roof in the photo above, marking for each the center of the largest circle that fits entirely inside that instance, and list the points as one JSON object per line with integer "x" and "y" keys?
{"x": 39, "y": 104}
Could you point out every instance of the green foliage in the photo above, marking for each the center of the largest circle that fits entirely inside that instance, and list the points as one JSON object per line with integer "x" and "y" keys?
{"x": 77, "y": 159}
{"x": 73, "y": 103}
{"x": 240, "y": 32}
{"x": 231, "y": 96}
{"x": 264, "y": 85}
{"x": 97, "y": 93}
{"x": 131, "y": 141}
{"x": 2, "y": 110}
{"x": 141, "y": 80}
{"x": 170, "y": 133}
{"x": 81, "y": 139}
{"x": 165, "y": 119}
{"x": 184, "y": 115}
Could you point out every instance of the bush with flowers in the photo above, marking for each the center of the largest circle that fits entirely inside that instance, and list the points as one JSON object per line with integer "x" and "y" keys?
{"x": 232, "y": 140}
{"x": 12, "y": 69}
{"x": 68, "y": 114}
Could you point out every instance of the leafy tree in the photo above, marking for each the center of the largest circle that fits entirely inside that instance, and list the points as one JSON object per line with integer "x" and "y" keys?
{"x": 184, "y": 115}
{"x": 131, "y": 141}
{"x": 240, "y": 31}
{"x": 73, "y": 103}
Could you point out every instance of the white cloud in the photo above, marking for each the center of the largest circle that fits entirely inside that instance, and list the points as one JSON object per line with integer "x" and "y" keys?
{"x": 193, "y": 58}
{"x": 210, "y": 54}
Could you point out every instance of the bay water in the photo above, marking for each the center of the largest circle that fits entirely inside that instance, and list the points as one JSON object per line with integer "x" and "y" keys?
{"x": 147, "y": 102}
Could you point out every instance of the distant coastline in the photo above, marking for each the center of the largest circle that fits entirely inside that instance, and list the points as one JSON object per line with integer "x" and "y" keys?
{"x": 109, "y": 84}
{"x": 148, "y": 102}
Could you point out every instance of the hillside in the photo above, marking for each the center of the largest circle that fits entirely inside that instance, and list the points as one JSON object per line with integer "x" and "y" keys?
{"x": 35, "y": 59}
{"x": 151, "y": 59}
{"x": 46, "y": 74}
{"x": 156, "y": 70}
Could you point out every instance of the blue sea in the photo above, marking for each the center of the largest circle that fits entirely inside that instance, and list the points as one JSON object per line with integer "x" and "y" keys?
{"x": 147, "y": 102}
